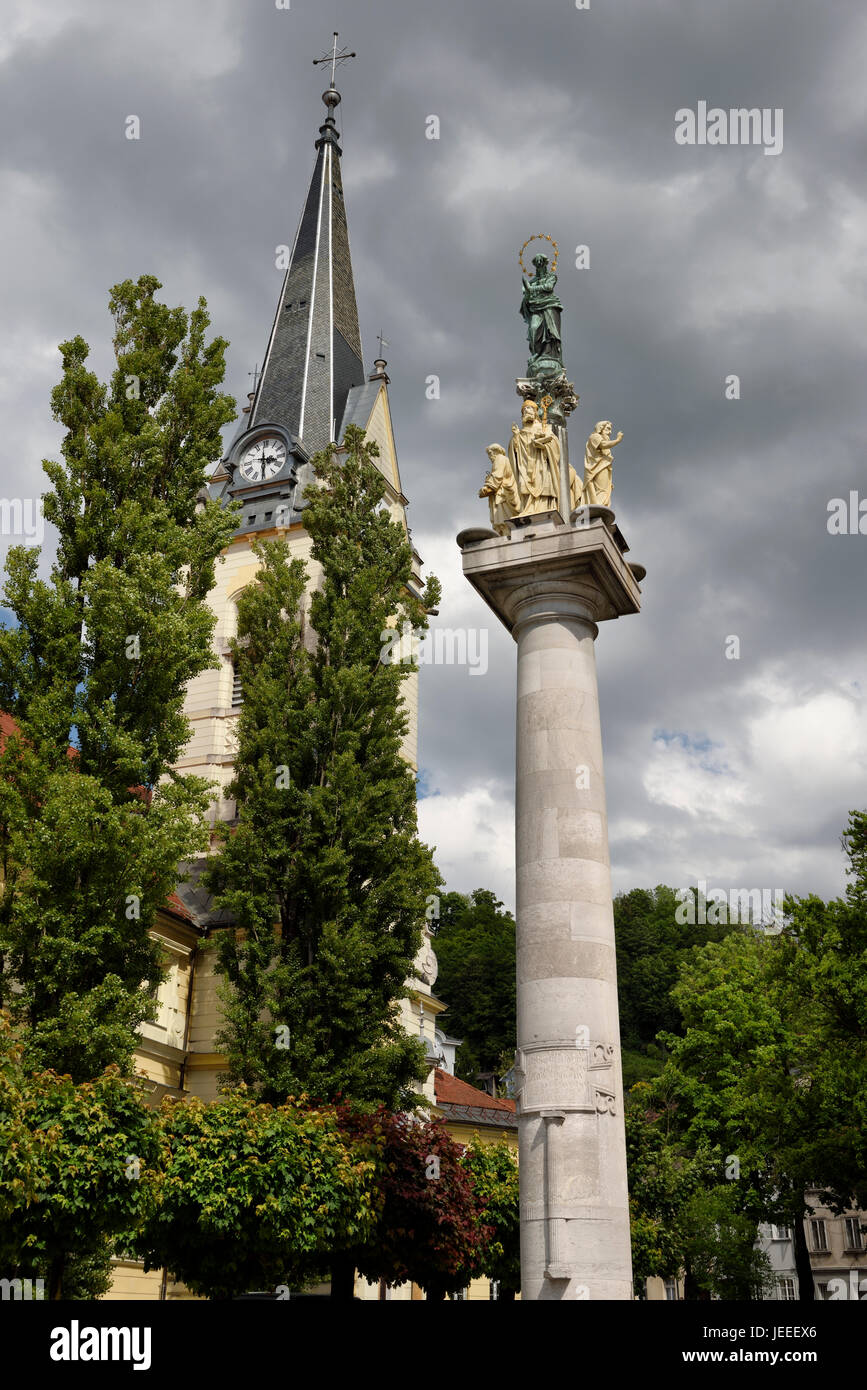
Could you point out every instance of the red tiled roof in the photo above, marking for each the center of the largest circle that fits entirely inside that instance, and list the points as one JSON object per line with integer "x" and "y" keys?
{"x": 9, "y": 725}
{"x": 451, "y": 1091}
{"x": 174, "y": 904}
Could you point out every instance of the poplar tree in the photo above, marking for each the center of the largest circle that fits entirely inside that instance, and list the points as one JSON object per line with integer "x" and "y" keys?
{"x": 323, "y": 872}
{"x": 93, "y": 821}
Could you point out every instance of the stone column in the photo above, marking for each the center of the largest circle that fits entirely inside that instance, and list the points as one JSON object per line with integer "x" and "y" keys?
{"x": 551, "y": 585}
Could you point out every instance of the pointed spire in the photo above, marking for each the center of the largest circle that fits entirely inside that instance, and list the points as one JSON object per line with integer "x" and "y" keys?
{"x": 314, "y": 353}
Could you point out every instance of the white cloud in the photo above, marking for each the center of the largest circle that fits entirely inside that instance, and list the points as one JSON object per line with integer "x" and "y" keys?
{"x": 692, "y": 778}
{"x": 474, "y": 835}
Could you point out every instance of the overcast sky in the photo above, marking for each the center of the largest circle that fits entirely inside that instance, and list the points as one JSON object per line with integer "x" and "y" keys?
{"x": 705, "y": 261}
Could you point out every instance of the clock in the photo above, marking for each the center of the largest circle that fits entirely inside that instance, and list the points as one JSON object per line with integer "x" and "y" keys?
{"x": 263, "y": 459}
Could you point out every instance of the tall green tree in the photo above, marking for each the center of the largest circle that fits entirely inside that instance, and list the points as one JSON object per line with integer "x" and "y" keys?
{"x": 769, "y": 1070}
{"x": 735, "y": 1077}
{"x": 324, "y": 872}
{"x": 820, "y": 973}
{"x": 772, "y": 1064}
{"x": 100, "y": 654}
{"x": 475, "y": 948}
{"x": 685, "y": 1211}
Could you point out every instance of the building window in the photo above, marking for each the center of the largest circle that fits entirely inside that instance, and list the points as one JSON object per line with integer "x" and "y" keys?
{"x": 493, "y": 1289}
{"x": 460, "y": 1296}
{"x": 781, "y": 1233}
{"x": 237, "y": 691}
{"x": 854, "y": 1238}
{"x": 818, "y": 1236}
{"x": 786, "y": 1290}
{"x": 671, "y": 1290}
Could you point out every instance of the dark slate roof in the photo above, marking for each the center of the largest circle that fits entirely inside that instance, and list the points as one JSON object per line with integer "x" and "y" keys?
{"x": 477, "y": 1115}
{"x": 195, "y": 901}
{"x": 359, "y": 404}
{"x": 314, "y": 352}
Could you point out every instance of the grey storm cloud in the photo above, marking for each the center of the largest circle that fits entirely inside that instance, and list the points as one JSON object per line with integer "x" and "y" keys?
{"x": 704, "y": 262}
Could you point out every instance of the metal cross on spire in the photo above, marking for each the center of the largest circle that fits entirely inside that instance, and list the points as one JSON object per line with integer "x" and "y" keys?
{"x": 383, "y": 342}
{"x": 334, "y": 57}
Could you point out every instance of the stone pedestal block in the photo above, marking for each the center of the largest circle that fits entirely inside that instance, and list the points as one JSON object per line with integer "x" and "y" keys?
{"x": 551, "y": 585}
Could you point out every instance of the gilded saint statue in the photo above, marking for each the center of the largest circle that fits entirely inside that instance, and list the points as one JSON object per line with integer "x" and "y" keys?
{"x": 598, "y": 461}
{"x": 534, "y": 453}
{"x": 500, "y": 489}
{"x": 540, "y": 310}
{"x": 526, "y": 481}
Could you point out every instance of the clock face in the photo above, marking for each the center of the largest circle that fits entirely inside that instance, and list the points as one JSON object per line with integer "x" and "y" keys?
{"x": 263, "y": 459}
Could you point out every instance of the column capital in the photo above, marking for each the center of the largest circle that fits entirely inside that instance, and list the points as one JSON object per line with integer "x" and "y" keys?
{"x": 544, "y": 571}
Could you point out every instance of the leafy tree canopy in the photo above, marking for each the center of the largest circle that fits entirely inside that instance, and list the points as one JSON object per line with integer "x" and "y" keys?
{"x": 433, "y": 1227}
{"x": 249, "y": 1196}
{"x": 494, "y": 1171}
{"x": 70, "y": 1176}
{"x": 651, "y": 943}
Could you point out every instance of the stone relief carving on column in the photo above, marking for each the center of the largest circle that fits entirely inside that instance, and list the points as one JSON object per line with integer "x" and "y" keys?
{"x": 602, "y": 1055}
{"x": 558, "y": 1074}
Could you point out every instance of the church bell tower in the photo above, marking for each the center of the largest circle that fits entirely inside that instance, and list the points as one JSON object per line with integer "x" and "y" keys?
{"x": 311, "y": 387}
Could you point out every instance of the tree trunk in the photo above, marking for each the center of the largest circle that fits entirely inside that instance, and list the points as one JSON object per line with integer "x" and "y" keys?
{"x": 804, "y": 1269}
{"x": 507, "y": 1295}
{"x": 343, "y": 1280}
{"x": 691, "y": 1290}
{"x": 55, "y": 1277}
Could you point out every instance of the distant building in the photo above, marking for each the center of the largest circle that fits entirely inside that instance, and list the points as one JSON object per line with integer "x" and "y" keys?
{"x": 446, "y": 1048}
{"x": 777, "y": 1242}
{"x": 838, "y": 1252}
